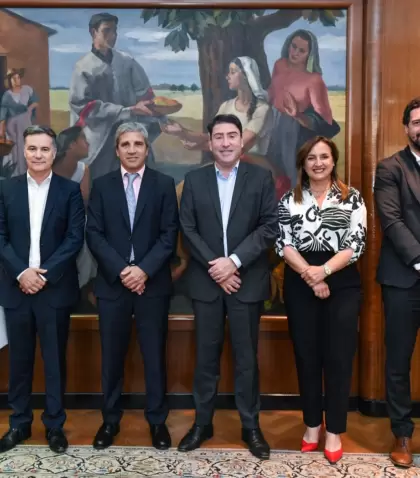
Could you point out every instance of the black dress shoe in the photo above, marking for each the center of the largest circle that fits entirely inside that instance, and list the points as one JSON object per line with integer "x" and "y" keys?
{"x": 105, "y": 436}
{"x": 57, "y": 441}
{"x": 195, "y": 437}
{"x": 13, "y": 437}
{"x": 160, "y": 436}
{"x": 256, "y": 443}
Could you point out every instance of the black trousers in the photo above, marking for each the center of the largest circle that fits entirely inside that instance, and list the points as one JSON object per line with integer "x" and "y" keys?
{"x": 324, "y": 335}
{"x": 115, "y": 324}
{"x": 402, "y": 318}
{"x": 243, "y": 319}
{"x": 34, "y": 316}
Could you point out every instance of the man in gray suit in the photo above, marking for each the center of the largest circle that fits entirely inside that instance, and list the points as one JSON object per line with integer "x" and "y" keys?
{"x": 229, "y": 220}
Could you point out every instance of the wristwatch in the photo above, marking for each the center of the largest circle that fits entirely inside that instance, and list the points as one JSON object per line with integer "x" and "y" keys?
{"x": 327, "y": 270}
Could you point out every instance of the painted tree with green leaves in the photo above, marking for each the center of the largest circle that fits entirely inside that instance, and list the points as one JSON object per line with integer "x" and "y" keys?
{"x": 223, "y": 34}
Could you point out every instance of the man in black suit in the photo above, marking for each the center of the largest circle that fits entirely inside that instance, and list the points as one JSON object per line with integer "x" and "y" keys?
{"x": 229, "y": 220}
{"x": 397, "y": 195}
{"x": 131, "y": 230}
{"x": 42, "y": 222}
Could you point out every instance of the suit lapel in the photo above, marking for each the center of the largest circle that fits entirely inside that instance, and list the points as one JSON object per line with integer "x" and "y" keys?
{"x": 241, "y": 179}
{"x": 118, "y": 188}
{"x": 53, "y": 193}
{"x": 23, "y": 197}
{"x": 408, "y": 162}
{"x": 214, "y": 192}
{"x": 146, "y": 189}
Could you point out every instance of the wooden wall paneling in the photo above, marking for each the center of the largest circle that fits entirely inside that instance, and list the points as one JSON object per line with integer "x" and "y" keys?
{"x": 390, "y": 81}
{"x": 371, "y": 323}
{"x": 276, "y": 360}
{"x": 400, "y": 74}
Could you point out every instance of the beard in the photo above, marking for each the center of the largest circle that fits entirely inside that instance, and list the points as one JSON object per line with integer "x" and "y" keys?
{"x": 415, "y": 142}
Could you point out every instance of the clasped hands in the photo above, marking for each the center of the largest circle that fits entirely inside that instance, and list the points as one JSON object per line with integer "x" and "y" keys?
{"x": 134, "y": 279}
{"x": 225, "y": 273}
{"x": 314, "y": 276}
{"x": 31, "y": 282}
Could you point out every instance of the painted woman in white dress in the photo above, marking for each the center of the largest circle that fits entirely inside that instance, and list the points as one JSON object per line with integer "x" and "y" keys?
{"x": 17, "y": 112}
{"x": 250, "y": 105}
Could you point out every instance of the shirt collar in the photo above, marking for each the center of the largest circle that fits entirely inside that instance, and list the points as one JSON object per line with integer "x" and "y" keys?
{"x": 107, "y": 58}
{"x": 232, "y": 173}
{"x": 415, "y": 155}
{"x": 140, "y": 172}
{"x": 31, "y": 180}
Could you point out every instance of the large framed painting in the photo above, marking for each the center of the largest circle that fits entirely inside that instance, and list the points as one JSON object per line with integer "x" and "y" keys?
{"x": 289, "y": 71}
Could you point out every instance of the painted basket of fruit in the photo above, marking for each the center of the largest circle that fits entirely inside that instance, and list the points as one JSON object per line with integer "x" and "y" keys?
{"x": 165, "y": 106}
{"x": 5, "y": 146}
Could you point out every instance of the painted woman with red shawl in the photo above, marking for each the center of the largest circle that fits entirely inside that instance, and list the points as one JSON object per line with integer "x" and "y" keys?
{"x": 300, "y": 101}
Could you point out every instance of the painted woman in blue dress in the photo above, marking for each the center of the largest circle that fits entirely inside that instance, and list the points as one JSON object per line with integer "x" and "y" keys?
{"x": 17, "y": 112}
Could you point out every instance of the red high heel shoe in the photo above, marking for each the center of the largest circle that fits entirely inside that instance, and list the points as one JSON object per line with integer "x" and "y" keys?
{"x": 308, "y": 447}
{"x": 333, "y": 456}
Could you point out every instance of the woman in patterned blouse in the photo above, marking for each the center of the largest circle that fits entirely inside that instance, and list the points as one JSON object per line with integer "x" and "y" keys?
{"x": 322, "y": 235}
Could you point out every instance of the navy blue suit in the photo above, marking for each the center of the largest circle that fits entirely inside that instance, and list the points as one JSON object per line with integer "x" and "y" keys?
{"x": 48, "y": 311}
{"x": 153, "y": 238}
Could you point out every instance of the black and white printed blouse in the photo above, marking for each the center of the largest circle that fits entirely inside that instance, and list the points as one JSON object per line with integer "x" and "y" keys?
{"x": 336, "y": 226}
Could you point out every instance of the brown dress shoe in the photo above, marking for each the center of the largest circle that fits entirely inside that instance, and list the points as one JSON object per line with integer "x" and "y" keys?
{"x": 401, "y": 455}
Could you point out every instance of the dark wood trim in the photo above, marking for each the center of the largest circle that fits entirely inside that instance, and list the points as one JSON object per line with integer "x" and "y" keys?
{"x": 177, "y": 401}
{"x": 301, "y": 4}
{"x": 268, "y": 323}
{"x": 354, "y": 96}
{"x": 378, "y": 408}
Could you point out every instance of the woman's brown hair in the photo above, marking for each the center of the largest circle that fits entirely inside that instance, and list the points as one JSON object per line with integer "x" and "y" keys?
{"x": 302, "y": 177}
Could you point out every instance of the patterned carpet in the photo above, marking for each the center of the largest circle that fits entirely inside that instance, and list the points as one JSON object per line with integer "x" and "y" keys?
{"x": 84, "y": 462}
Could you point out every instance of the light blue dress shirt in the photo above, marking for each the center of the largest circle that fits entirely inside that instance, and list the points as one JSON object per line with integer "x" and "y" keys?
{"x": 226, "y": 185}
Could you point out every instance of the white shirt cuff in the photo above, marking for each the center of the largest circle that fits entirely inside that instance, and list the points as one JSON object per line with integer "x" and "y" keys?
{"x": 40, "y": 275}
{"x": 417, "y": 266}
{"x": 20, "y": 275}
{"x": 236, "y": 260}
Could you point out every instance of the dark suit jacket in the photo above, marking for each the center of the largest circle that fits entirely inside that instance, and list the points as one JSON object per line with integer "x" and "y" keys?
{"x": 154, "y": 234}
{"x": 397, "y": 196}
{"x": 62, "y": 238}
{"x": 252, "y": 230}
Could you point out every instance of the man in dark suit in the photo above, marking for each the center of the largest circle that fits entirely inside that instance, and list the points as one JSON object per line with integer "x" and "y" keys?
{"x": 131, "y": 230}
{"x": 397, "y": 195}
{"x": 229, "y": 220}
{"x": 42, "y": 222}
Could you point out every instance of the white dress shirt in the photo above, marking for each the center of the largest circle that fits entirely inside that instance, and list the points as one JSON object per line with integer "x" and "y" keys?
{"x": 226, "y": 186}
{"x": 416, "y": 266}
{"x": 37, "y": 197}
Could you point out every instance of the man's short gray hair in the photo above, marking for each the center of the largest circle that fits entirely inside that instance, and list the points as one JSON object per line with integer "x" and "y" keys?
{"x": 38, "y": 129}
{"x": 131, "y": 127}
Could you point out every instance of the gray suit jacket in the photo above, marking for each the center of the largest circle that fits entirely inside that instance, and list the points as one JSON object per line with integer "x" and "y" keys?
{"x": 252, "y": 230}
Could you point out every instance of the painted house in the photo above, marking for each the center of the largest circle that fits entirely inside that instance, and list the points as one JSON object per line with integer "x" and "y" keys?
{"x": 24, "y": 44}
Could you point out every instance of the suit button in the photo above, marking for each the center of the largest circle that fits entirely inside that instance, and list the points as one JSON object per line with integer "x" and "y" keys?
{"x": 129, "y": 238}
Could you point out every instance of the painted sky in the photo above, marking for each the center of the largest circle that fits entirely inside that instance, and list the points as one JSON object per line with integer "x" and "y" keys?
{"x": 145, "y": 42}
